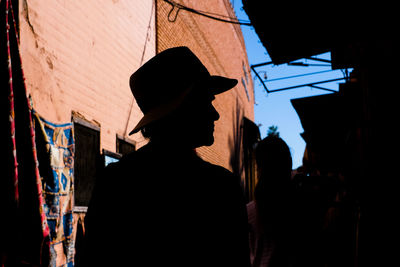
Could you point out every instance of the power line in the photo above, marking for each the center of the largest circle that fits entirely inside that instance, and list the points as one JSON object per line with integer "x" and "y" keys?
{"x": 210, "y": 15}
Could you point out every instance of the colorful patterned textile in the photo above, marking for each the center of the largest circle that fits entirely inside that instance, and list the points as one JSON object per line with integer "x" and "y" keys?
{"x": 28, "y": 245}
{"x": 43, "y": 194}
{"x": 45, "y": 228}
{"x": 58, "y": 189}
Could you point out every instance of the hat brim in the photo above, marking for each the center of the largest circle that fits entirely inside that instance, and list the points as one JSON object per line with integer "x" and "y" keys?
{"x": 219, "y": 84}
{"x": 216, "y": 84}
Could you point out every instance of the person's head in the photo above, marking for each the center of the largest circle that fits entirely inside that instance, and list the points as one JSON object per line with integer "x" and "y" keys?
{"x": 175, "y": 92}
{"x": 273, "y": 190}
{"x": 274, "y": 160}
{"x": 191, "y": 124}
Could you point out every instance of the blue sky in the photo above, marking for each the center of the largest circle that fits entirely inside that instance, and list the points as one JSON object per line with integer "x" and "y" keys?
{"x": 275, "y": 108}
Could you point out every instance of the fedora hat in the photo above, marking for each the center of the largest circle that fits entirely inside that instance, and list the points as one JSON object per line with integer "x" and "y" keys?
{"x": 163, "y": 83}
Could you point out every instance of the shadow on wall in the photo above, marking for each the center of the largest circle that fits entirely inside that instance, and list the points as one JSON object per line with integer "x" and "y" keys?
{"x": 235, "y": 142}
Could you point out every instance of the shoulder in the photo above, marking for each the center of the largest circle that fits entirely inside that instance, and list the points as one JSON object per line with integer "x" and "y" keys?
{"x": 222, "y": 174}
{"x": 111, "y": 177}
{"x": 221, "y": 170}
{"x": 129, "y": 161}
{"x": 224, "y": 181}
{"x": 216, "y": 169}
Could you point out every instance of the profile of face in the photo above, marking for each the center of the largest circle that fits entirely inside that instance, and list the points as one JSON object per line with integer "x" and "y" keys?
{"x": 196, "y": 119}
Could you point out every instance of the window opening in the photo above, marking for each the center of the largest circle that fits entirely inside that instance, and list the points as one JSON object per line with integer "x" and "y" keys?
{"x": 110, "y": 157}
{"x": 87, "y": 159}
{"x": 124, "y": 146}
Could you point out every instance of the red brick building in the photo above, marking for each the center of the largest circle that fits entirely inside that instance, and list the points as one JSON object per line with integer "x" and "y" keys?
{"x": 77, "y": 58}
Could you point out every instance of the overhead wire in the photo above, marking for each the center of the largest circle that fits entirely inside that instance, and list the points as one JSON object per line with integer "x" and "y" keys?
{"x": 210, "y": 15}
{"x": 141, "y": 62}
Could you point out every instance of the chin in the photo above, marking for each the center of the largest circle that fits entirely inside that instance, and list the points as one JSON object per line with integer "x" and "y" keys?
{"x": 209, "y": 141}
{"x": 205, "y": 142}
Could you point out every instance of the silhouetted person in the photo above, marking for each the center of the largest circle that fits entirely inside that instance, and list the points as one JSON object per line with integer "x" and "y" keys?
{"x": 270, "y": 214}
{"x": 316, "y": 212}
{"x": 163, "y": 205}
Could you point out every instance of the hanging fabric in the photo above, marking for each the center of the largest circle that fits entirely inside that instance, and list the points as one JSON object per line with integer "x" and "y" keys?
{"x": 38, "y": 199}
{"x": 26, "y": 235}
{"x": 11, "y": 99}
{"x": 56, "y": 156}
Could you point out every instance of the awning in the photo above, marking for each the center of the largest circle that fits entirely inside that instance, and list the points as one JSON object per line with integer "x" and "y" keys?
{"x": 295, "y": 30}
{"x": 328, "y": 120}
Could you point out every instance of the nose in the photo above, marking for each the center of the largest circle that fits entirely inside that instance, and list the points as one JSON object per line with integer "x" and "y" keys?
{"x": 214, "y": 113}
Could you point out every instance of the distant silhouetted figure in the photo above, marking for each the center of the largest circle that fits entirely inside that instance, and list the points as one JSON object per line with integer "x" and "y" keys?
{"x": 270, "y": 214}
{"x": 163, "y": 205}
{"x": 316, "y": 213}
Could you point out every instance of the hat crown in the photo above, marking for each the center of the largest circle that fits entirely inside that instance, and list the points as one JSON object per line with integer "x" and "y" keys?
{"x": 165, "y": 77}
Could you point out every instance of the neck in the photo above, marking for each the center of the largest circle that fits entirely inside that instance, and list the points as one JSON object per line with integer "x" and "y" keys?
{"x": 172, "y": 145}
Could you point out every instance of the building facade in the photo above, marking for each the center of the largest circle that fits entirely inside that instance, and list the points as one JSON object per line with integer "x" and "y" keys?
{"x": 77, "y": 57}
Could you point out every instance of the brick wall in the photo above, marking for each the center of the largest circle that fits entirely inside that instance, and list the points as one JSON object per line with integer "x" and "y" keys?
{"x": 220, "y": 46}
{"x": 78, "y": 56}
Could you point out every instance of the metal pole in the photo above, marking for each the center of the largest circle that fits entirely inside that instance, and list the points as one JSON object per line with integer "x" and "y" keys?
{"x": 303, "y": 85}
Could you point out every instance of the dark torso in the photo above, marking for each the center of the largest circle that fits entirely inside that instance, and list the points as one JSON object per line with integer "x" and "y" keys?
{"x": 164, "y": 206}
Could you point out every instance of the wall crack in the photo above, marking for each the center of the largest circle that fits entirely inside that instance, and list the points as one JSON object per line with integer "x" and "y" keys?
{"x": 26, "y": 15}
